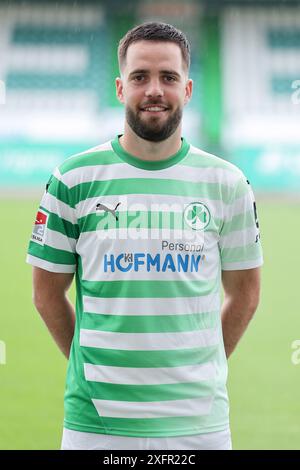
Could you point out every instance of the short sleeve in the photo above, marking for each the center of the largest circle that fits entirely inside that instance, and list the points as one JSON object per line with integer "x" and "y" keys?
{"x": 240, "y": 243}
{"x": 55, "y": 231}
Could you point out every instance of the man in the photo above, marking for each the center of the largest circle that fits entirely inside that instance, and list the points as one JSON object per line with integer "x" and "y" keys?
{"x": 150, "y": 225}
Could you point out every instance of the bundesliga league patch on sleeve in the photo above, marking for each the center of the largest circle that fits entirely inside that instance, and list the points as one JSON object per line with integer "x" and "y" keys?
{"x": 39, "y": 228}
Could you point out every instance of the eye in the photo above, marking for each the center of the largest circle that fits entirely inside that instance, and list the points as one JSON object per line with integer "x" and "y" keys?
{"x": 169, "y": 78}
{"x": 138, "y": 78}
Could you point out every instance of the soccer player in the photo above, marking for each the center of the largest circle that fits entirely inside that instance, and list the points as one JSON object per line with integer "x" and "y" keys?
{"x": 152, "y": 227}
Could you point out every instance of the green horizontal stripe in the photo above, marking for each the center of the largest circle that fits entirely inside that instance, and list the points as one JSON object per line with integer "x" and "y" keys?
{"x": 38, "y": 81}
{"x": 146, "y": 393}
{"x": 282, "y": 84}
{"x": 207, "y": 161}
{"x": 284, "y": 38}
{"x": 149, "y": 323}
{"x": 55, "y": 34}
{"x": 150, "y": 164}
{"x": 60, "y": 191}
{"x": 241, "y": 253}
{"x": 52, "y": 255}
{"x": 58, "y": 224}
{"x": 162, "y": 358}
{"x": 150, "y": 186}
{"x": 140, "y": 289}
{"x": 104, "y": 157}
{"x": 241, "y": 189}
{"x": 239, "y": 222}
{"x": 144, "y": 427}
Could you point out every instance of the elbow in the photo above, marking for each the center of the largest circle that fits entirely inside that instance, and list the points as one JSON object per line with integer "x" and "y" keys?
{"x": 250, "y": 296}
{"x": 38, "y": 301}
{"x": 43, "y": 300}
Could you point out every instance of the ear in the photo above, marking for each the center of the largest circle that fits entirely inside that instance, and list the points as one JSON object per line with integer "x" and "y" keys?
{"x": 119, "y": 89}
{"x": 188, "y": 90}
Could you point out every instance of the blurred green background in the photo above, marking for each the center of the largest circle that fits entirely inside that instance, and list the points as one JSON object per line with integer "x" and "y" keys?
{"x": 57, "y": 97}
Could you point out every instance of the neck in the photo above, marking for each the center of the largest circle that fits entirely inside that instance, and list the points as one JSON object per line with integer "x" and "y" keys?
{"x": 147, "y": 150}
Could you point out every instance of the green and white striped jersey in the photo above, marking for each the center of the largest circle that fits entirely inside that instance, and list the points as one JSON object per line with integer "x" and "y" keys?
{"x": 147, "y": 241}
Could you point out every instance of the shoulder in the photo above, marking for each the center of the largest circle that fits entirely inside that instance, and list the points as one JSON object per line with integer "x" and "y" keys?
{"x": 221, "y": 170}
{"x": 94, "y": 156}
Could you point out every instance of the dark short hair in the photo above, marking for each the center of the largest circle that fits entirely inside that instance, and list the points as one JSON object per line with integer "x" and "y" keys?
{"x": 154, "y": 31}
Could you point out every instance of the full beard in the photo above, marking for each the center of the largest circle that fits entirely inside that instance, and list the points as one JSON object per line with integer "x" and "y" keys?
{"x": 153, "y": 130}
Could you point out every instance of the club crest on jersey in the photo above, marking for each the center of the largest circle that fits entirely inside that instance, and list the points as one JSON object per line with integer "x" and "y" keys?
{"x": 197, "y": 216}
{"x": 39, "y": 228}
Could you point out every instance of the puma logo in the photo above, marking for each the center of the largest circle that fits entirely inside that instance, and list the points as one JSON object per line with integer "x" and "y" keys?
{"x": 102, "y": 207}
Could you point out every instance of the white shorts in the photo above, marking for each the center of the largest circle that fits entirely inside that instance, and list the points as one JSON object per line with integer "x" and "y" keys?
{"x": 76, "y": 440}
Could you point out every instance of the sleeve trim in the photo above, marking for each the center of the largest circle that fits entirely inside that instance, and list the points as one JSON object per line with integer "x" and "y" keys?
{"x": 242, "y": 265}
{"x": 55, "y": 268}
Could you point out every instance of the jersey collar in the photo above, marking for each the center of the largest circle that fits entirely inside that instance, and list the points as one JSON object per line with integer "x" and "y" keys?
{"x": 147, "y": 164}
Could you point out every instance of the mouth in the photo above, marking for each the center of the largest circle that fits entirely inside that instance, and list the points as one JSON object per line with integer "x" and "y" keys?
{"x": 154, "y": 109}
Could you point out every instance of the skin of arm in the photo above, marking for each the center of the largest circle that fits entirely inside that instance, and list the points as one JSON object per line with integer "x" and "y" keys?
{"x": 241, "y": 298}
{"x": 50, "y": 299}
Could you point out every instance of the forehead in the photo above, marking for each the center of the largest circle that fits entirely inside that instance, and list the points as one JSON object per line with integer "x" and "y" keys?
{"x": 152, "y": 55}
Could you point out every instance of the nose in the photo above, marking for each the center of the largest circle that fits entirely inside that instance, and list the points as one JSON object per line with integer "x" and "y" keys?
{"x": 154, "y": 88}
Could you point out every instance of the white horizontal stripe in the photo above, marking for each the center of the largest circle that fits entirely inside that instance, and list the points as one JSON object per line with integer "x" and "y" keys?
{"x": 50, "y": 59}
{"x": 134, "y": 239}
{"x": 153, "y": 409}
{"x": 59, "y": 241}
{"x": 52, "y": 100}
{"x": 152, "y": 306}
{"x": 240, "y": 206}
{"x": 124, "y": 171}
{"x": 54, "y": 268}
{"x": 242, "y": 265}
{"x": 163, "y": 203}
{"x": 45, "y": 15}
{"x": 59, "y": 208}
{"x": 149, "y": 341}
{"x": 149, "y": 375}
{"x": 206, "y": 271}
{"x": 90, "y": 441}
{"x": 110, "y": 267}
{"x": 239, "y": 238}
{"x": 289, "y": 57}
{"x": 142, "y": 235}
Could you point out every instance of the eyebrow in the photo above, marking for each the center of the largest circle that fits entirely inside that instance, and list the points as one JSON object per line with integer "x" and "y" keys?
{"x": 166, "y": 72}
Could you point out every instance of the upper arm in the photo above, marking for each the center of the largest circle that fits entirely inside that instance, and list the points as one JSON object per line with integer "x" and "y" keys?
{"x": 47, "y": 284}
{"x": 242, "y": 284}
{"x": 52, "y": 246}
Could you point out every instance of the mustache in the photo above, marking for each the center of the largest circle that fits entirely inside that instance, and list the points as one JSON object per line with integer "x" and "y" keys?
{"x": 154, "y": 103}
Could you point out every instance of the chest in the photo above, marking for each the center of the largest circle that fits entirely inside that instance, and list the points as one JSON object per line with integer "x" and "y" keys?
{"x": 134, "y": 236}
